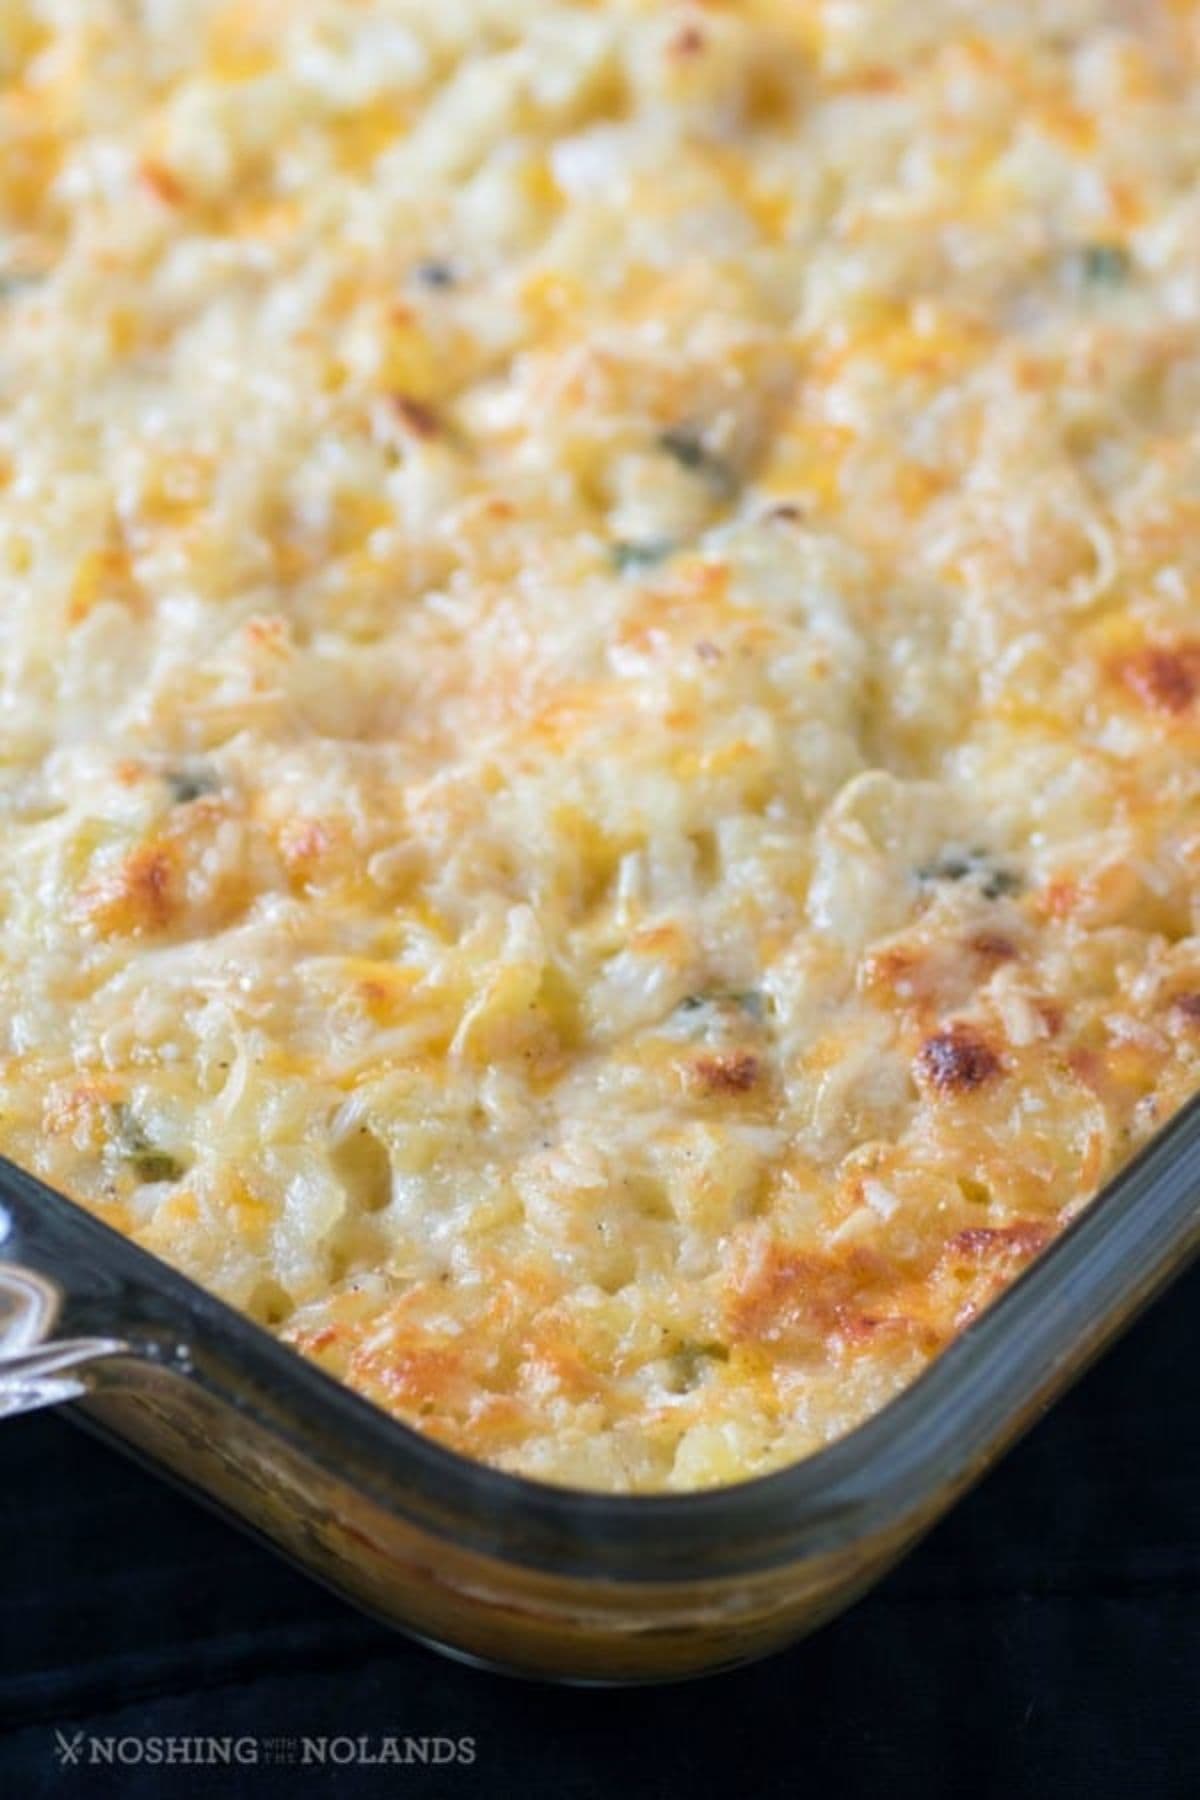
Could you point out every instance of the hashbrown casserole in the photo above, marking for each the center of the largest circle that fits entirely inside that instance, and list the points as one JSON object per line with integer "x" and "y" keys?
{"x": 600, "y": 655}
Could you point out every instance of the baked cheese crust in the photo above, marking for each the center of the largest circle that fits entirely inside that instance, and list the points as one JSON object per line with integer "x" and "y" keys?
{"x": 600, "y": 658}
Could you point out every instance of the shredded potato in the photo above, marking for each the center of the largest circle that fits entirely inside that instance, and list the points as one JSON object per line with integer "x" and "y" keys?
{"x": 600, "y": 656}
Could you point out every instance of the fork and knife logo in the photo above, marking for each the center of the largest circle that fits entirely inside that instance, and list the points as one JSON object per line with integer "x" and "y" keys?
{"x": 69, "y": 1750}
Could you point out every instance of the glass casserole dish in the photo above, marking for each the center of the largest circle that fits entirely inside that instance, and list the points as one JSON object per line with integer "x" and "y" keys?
{"x": 598, "y": 755}
{"x": 516, "y": 1574}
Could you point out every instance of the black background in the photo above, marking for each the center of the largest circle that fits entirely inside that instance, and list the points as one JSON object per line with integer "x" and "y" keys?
{"x": 1043, "y": 1642}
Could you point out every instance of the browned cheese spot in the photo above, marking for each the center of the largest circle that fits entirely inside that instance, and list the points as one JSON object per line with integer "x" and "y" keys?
{"x": 956, "y": 1061}
{"x": 733, "y": 1073}
{"x": 993, "y": 947}
{"x": 420, "y": 419}
{"x": 1163, "y": 676}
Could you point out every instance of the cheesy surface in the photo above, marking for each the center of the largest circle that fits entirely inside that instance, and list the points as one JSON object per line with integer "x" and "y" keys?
{"x": 599, "y": 678}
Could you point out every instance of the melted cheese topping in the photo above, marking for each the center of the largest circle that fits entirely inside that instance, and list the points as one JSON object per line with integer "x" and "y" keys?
{"x": 600, "y": 705}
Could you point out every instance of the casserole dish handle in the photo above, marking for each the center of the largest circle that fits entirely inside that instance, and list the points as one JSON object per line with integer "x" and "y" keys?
{"x": 36, "y": 1368}
{"x": 66, "y": 1310}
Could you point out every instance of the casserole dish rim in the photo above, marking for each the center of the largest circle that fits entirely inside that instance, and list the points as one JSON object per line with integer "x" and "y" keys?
{"x": 939, "y": 1431}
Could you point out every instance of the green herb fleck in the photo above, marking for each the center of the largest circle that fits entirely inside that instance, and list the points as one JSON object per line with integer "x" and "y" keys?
{"x": 147, "y": 1160}
{"x": 187, "y": 785}
{"x": 1104, "y": 265}
{"x": 626, "y": 556}
{"x": 949, "y": 868}
{"x": 693, "y": 1363}
{"x": 1000, "y": 883}
{"x": 994, "y": 880}
{"x": 434, "y": 274}
{"x": 692, "y": 453}
{"x": 750, "y": 1001}
{"x": 155, "y": 1165}
{"x": 687, "y": 449}
{"x": 13, "y": 281}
